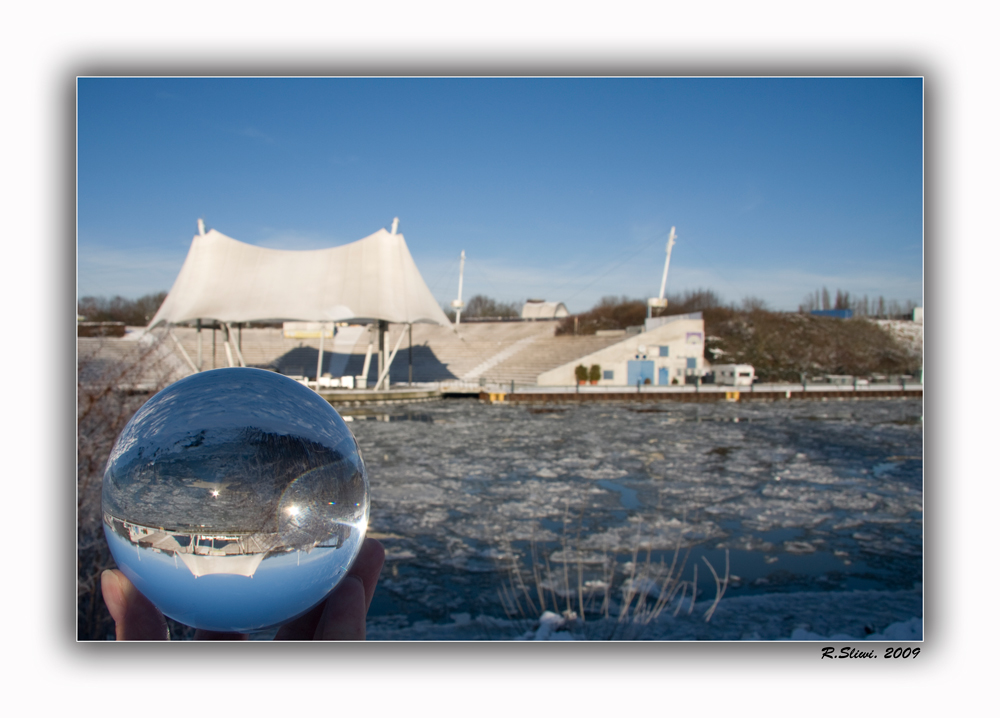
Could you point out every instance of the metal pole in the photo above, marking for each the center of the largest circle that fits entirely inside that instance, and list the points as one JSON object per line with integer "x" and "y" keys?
{"x": 368, "y": 357}
{"x": 229, "y": 352}
{"x": 214, "y": 325}
{"x": 199, "y": 346}
{"x": 458, "y": 302}
{"x": 236, "y": 348}
{"x": 319, "y": 357}
{"x": 385, "y": 372}
{"x": 383, "y": 327}
{"x": 410, "y": 350}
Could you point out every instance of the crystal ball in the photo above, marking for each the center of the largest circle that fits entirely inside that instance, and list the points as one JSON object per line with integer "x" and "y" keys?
{"x": 235, "y": 500}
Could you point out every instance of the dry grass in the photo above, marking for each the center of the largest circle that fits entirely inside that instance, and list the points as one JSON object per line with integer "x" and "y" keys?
{"x": 783, "y": 346}
{"x": 598, "y": 585}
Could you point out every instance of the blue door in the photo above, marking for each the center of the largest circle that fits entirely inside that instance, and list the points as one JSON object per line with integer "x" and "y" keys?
{"x": 639, "y": 371}
{"x": 664, "y": 376}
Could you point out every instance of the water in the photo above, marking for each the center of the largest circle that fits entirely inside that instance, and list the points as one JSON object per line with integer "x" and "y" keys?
{"x": 804, "y": 496}
{"x": 235, "y": 500}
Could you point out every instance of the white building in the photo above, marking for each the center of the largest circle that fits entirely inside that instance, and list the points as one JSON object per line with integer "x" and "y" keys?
{"x": 540, "y": 309}
{"x": 664, "y": 355}
{"x": 733, "y": 374}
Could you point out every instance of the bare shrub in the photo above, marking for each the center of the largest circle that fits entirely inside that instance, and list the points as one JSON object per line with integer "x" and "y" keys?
{"x": 115, "y": 377}
{"x": 578, "y": 583}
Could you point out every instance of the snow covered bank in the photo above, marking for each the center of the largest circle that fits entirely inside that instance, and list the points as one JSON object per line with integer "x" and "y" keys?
{"x": 804, "y": 616}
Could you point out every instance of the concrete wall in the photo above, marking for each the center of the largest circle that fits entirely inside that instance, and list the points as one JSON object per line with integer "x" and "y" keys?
{"x": 684, "y": 338}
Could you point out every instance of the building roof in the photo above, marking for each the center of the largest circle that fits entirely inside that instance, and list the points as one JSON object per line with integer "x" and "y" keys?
{"x": 540, "y": 309}
{"x": 374, "y": 278}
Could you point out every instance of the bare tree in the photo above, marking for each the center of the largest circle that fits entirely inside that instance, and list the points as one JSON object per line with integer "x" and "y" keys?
{"x": 114, "y": 378}
{"x": 133, "y": 312}
{"x": 752, "y": 304}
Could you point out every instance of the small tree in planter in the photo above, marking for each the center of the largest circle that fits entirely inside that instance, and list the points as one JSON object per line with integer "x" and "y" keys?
{"x": 595, "y": 373}
{"x": 581, "y": 374}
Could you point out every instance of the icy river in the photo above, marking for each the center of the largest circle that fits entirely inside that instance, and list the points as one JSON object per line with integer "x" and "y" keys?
{"x": 493, "y": 514}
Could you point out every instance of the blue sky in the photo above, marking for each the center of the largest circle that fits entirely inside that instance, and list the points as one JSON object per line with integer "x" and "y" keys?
{"x": 563, "y": 189}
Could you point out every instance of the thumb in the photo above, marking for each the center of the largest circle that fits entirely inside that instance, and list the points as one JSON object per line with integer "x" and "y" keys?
{"x": 135, "y": 616}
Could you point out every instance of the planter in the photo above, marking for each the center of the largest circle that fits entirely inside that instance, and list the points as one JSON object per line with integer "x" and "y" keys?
{"x": 593, "y": 382}
{"x": 582, "y": 383}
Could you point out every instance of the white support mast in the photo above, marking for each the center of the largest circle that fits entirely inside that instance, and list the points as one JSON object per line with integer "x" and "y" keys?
{"x": 457, "y": 304}
{"x": 661, "y": 301}
{"x": 666, "y": 266}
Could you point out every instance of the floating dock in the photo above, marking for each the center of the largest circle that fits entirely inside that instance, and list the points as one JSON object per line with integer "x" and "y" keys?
{"x": 366, "y": 397}
{"x": 588, "y": 394}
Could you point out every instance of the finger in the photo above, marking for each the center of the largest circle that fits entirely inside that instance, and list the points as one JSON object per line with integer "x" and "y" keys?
{"x": 344, "y": 613}
{"x": 302, "y": 628}
{"x": 367, "y": 567}
{"x": 135, "y": 616}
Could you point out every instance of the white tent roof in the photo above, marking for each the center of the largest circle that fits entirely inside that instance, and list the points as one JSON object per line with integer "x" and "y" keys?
{"x": 227, "y": 280}
{"x": 535, "y": 309}
{"x": 241, "y": 565}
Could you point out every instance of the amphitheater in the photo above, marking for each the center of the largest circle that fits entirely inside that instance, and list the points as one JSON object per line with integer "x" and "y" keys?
{"x": 481, "y": 352}
{"x": 472, "y": 354}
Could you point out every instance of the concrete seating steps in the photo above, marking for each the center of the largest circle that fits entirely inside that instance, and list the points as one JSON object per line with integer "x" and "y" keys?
{"x": 439, "y": 353}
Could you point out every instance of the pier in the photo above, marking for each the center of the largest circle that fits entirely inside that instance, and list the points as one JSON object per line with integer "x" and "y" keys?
{"x": 696, "y": 394}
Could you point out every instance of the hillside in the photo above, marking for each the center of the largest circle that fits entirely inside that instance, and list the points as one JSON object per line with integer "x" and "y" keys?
{"x": 780, "y": 345}
{"x": 783, "y": 346}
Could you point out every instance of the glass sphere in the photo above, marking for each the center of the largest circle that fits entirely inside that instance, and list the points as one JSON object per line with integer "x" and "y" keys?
{"x": 235, "y": 499}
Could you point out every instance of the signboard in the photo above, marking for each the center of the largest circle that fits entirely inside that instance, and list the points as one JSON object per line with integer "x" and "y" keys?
{"x": 307, "y": 330}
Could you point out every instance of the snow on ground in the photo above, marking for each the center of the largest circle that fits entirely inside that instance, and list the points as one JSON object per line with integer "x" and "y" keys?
{"x": 807, "y": 616}
{"x": 818, "y": 504}
{"x": 910, "y": 334}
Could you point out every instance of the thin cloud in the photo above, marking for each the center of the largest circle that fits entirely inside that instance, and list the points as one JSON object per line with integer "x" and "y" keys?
{"x": 106, "y": 272}
{"x": 256, "y": 134}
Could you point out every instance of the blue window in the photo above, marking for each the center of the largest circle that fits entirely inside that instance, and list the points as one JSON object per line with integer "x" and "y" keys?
{"x": 664, "y": 351}
{"x": 609, "y": 374}
{"x": 691, "y": 362}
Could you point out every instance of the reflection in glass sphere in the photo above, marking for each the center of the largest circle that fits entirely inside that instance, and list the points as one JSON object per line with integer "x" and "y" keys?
{"x": 235, "y": 500}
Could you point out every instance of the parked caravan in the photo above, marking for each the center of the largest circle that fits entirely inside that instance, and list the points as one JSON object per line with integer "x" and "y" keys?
{"x": 733, "y": 374}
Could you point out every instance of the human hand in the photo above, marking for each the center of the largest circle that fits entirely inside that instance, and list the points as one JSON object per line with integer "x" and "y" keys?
{"x": 341, "y": 617}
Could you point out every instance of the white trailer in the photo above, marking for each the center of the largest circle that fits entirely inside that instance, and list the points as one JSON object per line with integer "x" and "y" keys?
{"x": 733, "y": 374}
